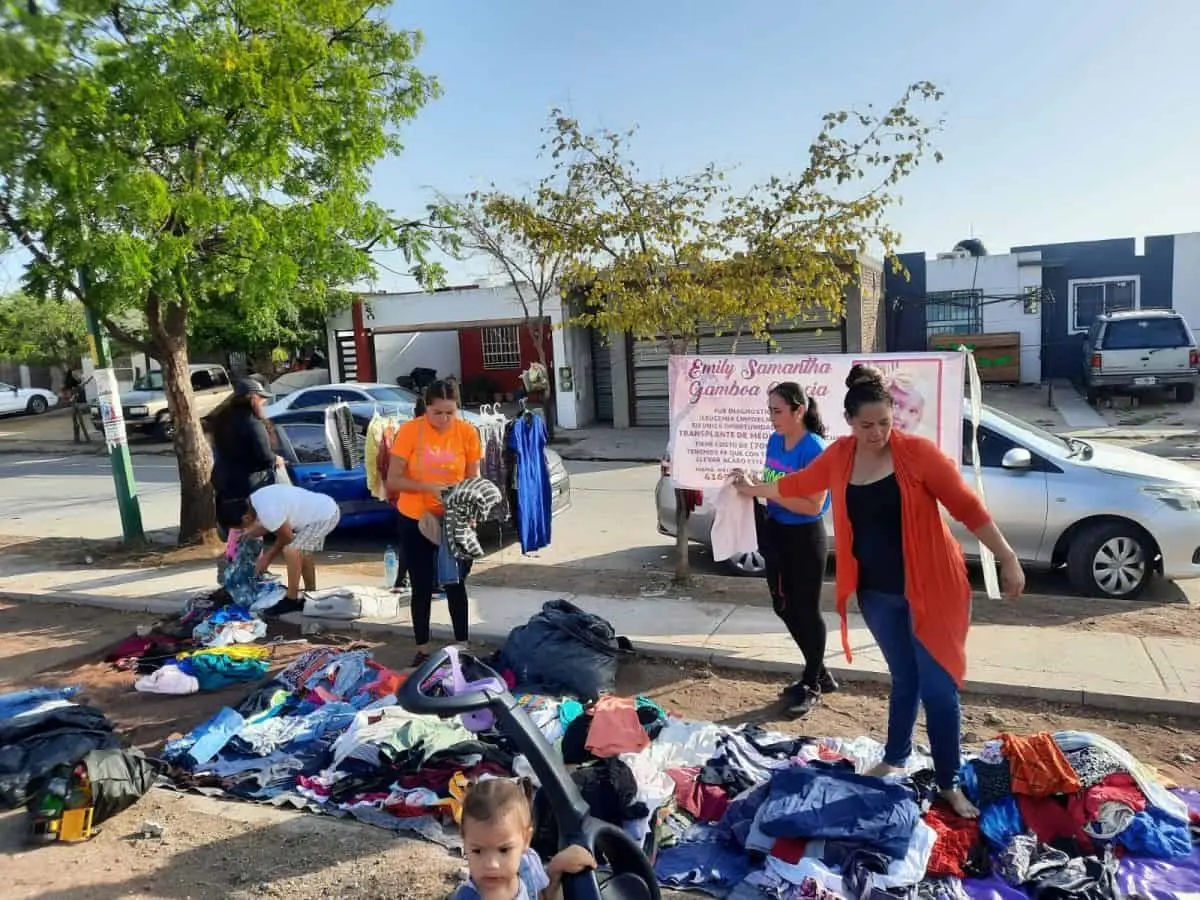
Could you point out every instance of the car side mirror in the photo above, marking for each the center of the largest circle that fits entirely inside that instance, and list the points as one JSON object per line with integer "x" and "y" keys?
{"x": 1017, "y": 458}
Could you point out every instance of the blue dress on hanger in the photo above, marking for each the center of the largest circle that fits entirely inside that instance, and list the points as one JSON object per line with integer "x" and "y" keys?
{"x": 528, "y": 441}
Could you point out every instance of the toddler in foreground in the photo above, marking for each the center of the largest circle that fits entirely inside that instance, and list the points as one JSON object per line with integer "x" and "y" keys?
{"x": 497, "y": 828}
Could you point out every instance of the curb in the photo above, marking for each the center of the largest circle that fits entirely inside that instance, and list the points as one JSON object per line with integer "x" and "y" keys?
{"x": 652, "y": 650}
{"x": 94, "y": 449}
{"x": 593, "y": 457}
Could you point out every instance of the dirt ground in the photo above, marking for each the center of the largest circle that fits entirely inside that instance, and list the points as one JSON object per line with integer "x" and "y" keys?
{"x": 1154, "y": 409}
{"x": 217, "y": 849}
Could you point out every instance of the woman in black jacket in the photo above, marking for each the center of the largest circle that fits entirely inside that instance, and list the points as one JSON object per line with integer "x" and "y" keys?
{"x": 243, "y": 458}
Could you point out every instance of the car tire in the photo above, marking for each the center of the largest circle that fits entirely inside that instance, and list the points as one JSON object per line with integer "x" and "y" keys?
{"x": 1093, "y": 396}
{"x": 1110, "y": 560}
{"x": 1185, "y": 393}
{"x": 164, "y": 428}
{"x": 747, "y": 565}
{"x": 37, "y": 406}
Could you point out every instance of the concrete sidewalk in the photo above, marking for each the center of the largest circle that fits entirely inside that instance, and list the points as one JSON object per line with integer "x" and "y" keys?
{"x": 1111, "y": 671}
{"x": 607, "y": 444}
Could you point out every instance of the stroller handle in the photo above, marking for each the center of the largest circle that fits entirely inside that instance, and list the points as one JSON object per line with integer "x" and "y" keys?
{"x": 414, "y": 699}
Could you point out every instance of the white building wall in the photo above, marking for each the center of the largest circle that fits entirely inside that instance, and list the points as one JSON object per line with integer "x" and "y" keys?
{"x": 451, "y": 307}
{"x": 466, "y": 307}
{"x": 998, "y": 276}
{"x": 399, "y": 354}
{"x": 1185, "y": 278}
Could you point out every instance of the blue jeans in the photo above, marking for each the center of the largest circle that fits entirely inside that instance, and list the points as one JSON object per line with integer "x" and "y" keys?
{"x": 917, "y": 680}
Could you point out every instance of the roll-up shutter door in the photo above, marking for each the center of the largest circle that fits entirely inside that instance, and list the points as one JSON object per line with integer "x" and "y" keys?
{"x": 602, "y": 382}
{"x": 827, "y": 340}
{"x": 650, "y": 400}
{"x": 723, "y": 346}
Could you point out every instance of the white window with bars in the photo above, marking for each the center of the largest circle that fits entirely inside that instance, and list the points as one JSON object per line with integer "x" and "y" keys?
{"x": 953, "y": 312}
{"x": 1091, "y": 297}
{"x": 502, "y": 347}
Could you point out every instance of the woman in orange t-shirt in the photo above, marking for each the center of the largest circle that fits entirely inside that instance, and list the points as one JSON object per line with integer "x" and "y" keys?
{"x": 896, "y": 553}
{"x": 431, "y": 453}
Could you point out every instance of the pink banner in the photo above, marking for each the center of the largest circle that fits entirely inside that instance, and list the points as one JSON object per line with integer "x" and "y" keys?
{"x": 719, "y": 419}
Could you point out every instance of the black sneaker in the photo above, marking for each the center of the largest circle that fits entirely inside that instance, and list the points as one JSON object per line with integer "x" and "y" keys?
{"x": 827, "y": 684}
{"x": 285, "y": 606}
{"x": 801, "y": 702}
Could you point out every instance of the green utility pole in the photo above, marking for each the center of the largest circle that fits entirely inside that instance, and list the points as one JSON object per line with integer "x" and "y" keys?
{"x": 113, "y": 420}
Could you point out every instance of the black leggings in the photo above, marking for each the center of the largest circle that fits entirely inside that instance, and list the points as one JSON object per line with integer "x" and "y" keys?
{"x": 795, "y": 557}
{"x": 420, "y": 556}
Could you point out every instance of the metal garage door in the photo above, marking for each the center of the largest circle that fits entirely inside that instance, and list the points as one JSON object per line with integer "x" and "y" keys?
{"x": 827, "y": 340}
{"x": 602, "y": 384}
{"x": 650, "y": 401}
{"x": 723, "y": 346}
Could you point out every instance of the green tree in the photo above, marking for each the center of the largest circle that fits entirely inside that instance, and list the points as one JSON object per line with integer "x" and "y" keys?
{"x": 200, "y": 161}
{"x": 42, "y": 332}
{"x": 674, "y": 257}
{"x": 524, "y": 239}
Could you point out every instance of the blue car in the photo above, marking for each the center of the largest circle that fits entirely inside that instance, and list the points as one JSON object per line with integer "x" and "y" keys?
{"x": 302, "y": 444}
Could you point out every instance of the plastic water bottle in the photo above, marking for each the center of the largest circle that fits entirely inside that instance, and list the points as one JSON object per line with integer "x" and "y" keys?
{"x": 391, "y": 568}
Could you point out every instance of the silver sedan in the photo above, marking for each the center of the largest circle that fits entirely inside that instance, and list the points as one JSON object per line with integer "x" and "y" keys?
{"x": 1112, "y": 517}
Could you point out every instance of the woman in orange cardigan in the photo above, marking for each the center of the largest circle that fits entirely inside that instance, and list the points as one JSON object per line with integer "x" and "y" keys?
{"x": 886, "y": 487}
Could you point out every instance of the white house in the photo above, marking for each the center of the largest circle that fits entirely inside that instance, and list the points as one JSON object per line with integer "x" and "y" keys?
{"x": 478, "y": 334}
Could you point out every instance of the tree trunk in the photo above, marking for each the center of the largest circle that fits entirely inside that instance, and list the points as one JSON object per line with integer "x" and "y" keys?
{"x": 538, "y": 333}
{"x": 197, "y": 508}
{"x": 683, "y": 566}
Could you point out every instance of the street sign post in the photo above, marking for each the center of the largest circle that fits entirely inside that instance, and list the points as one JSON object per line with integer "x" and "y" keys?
{"x": 108, "y": 395}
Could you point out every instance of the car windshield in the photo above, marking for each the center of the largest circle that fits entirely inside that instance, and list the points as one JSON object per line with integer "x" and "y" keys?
{"x": 391, "y": 395}
{"x": 1032, "y": 434}
{"x": 151, "y": 381}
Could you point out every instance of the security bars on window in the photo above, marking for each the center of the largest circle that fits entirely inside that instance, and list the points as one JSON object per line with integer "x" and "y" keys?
{"x": 502, "y": 347}
{"x": 953, "y": 312}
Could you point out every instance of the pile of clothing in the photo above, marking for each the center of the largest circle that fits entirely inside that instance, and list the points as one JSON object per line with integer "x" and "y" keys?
{"x": 212, "y": 645}
{"x": 733, "y": 812}
{"x": 822, "y": 829}
{"x": 45, "y": 733}
{"x": 239, "y": 576}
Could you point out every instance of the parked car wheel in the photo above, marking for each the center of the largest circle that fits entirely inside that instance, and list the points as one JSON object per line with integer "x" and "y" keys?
{"x": 1185, "y": 393}
{"x": 37, "y": 405}
{"x": 164, "y": 428}
{"x": 1110, "y": 559}
{"x": 749, "y": 565}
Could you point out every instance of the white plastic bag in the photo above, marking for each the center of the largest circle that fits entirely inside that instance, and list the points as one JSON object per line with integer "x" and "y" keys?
{"x": 733, "y": 530}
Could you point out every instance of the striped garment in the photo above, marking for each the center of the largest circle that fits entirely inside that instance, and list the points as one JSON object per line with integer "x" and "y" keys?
{"x": 467, "y": 503}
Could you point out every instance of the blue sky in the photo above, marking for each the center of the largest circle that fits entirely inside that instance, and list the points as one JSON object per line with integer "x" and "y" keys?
{"x": 1065, "y": 120}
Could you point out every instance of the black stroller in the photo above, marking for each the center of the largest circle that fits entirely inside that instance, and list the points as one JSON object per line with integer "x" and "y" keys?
{"x": 450, "y": 684}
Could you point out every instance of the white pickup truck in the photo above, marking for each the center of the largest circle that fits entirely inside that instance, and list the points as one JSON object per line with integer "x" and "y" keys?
{"x": 145, "y": 407}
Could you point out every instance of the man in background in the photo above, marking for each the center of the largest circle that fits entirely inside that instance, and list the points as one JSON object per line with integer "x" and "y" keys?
{"x": 74, "y": 392}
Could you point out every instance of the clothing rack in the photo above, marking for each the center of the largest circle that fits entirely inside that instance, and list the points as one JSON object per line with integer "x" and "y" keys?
{"x": 496, "y": 466}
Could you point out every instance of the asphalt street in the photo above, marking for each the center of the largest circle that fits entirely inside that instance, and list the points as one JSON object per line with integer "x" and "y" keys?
{"x": 610, "y": 527}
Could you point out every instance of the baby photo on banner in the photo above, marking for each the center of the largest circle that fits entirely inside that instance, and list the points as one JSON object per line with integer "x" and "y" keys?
{"x": 719, "y": 419}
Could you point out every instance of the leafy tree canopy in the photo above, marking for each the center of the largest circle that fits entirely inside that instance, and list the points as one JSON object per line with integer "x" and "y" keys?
{"x": 44, "y": 333}
{"x": 201, "y": 161}
{"x": 674, "y": 255}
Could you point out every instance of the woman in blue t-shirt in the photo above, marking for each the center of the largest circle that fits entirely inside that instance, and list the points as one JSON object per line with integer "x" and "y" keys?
{"x": 794, "y": 544}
